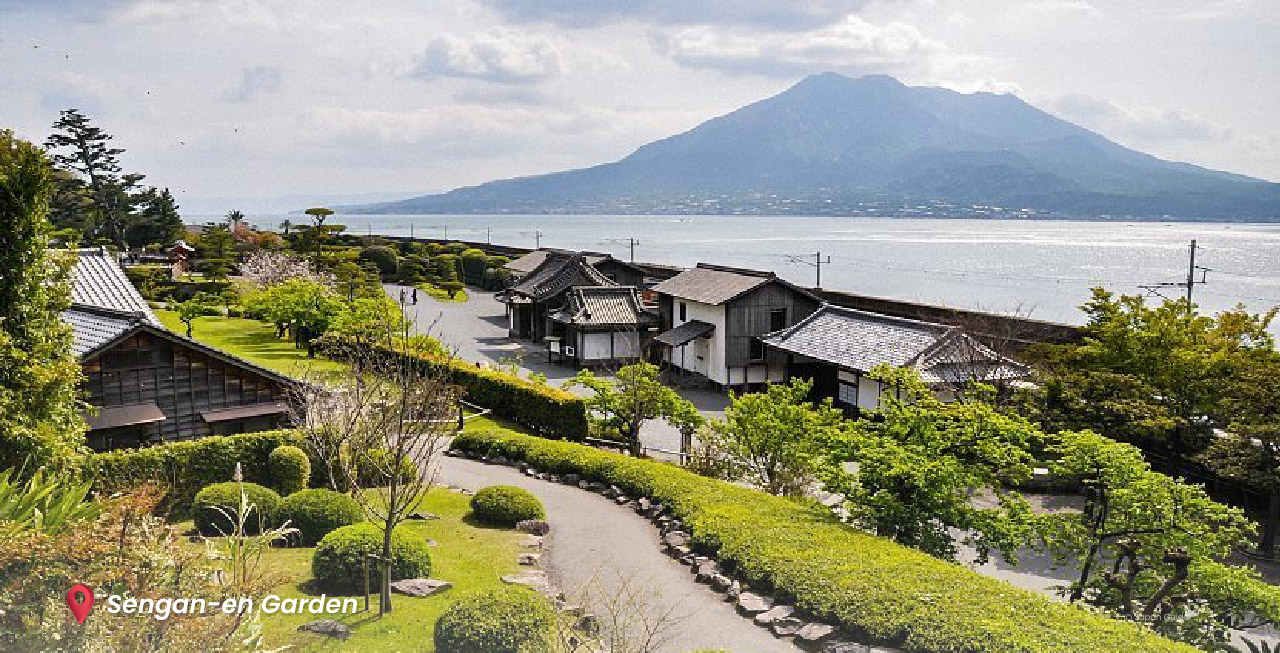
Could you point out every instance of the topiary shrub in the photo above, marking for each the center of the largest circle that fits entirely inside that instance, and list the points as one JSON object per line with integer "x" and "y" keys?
{"x": 507, "y": 619}
{"x": 317, "y": 512}
{"x": 338, "y": 562}
{"x": 505, "y": 505}
{"x": 216, "y": 506}
{"x": 290, "y": 469}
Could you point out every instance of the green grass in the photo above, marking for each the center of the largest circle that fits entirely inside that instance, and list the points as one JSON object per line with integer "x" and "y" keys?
{"x": 472, "y": 557}
{"x": 442, "y": 295}
{"x": 253, "y": 341}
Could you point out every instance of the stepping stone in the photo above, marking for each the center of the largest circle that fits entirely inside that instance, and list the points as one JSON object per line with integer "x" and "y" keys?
{"x": 720, "y": 583}
{"x": 786, "y": 626}
{"x": 533, "y": 526}
{"x": 571, "y": 479}
{"x": 533, "y": 579}
{"x": 528, "y": 559}
{"x": 420, "y": 586}
{"x": 675, "y": 539}
{"x": 532, "y": 542}
{"x": 734, "y": 591}
{"x": 815, "y": 632}
{"x": 704, "y": 571}
{"x": 841, "y": 646}
{"x": 422, "y": 516}
{"x": 328, "y": 627}
{"x": 752, "y": 603}
{"x": 775, "y": 613}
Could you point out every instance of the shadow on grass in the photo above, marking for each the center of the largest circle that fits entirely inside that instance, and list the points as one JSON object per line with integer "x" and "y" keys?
{"x": 471, "y": 520}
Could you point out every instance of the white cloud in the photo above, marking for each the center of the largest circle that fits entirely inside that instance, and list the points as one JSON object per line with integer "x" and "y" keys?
{"x": 1142, "y": 125}
{"x": 255, "y": 82}
{"x": 852, "y": 45}
{"x": 779, "y": 14}
{"x": 502, "y": 56}
{"x": 1066, "y": 7}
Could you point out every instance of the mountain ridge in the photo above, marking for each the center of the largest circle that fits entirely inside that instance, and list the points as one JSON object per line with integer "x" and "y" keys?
{"x": 831, "y": 144}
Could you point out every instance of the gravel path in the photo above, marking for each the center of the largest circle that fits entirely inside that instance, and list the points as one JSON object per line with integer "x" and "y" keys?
{"x": 597, "y": 544}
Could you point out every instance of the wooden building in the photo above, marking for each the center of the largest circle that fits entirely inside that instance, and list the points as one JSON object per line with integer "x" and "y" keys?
{"x": 615, "y": 270}
{"x": 541, "y": 292}
{"x": 836, "y": 347}
{"x": 602, "y": 325}
{"x": 713, "y": 316}
{"x": 149, "y": 385}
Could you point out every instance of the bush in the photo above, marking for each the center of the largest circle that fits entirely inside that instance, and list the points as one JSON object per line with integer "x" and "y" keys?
{"x": 866, "y": 584}
{"x": 290, "y": 469}
{"x": 507, "y": 619}
{"x": 338, "y": 562}
{"x": 474, "y": 263}
{"x": 185, "y": 467}
{"x": 317, "y": 512}
{"x": 505, "y": 505}
{"x": 548, "y": 411}
{"x": 217, "y": 506}
{"x": 381, "y": 256}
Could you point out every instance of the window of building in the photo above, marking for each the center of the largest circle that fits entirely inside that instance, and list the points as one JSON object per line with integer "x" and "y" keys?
{"x": 777, "y": 319}
{"x": 848, "y": 393}
{"x": 757, "y": 350}
{"x": 684, "y": 315}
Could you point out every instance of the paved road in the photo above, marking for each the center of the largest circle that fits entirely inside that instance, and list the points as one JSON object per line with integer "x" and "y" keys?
{"x": 477, "y": 331}
{"x": 597, "y": 544}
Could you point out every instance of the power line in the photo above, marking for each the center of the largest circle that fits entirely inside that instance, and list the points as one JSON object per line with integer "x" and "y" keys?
{"x": 1189, "y": 284}
{"x": 631, "y": 242}
{"x": 816, "y": 264}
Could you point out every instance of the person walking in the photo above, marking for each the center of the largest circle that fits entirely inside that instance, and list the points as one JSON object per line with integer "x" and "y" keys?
{"x": 402, "y": 296}
{"x": 415, "y": 295}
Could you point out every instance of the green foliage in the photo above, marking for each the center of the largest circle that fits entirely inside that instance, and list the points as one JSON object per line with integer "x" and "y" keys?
{"x": 474, "y": 262}
{"x": 506, "y": 505}
{"x": 49, "y": 505}
{"x": 455, "y": 248}
{"x": 318, "y": 511}
{"x": 307, "y": 305}
{"x": 40, "y": 420}
{"x": 893, "y": 594}
{"x": 339, "y": 558}
{"x": 186, "y": 467}
{"x": 374, "y": 469}
{"x": 95, "y": 196}
{"x": 369, "y": 319}
{"x": 918, "y": 460}
{"x": 383, "y": 257}
{"x": 634, "y": 397}
{"x": 216, "y": 508}
{"x": 546, "y": 410}
{"x": 507, "y": 619}
{"x": 290, "y": 469}
{"x": 199, "y": 305}
{"x": 156, "y": 221}
{"x": 451, "y": 287}
{"x": 773, "y": 437}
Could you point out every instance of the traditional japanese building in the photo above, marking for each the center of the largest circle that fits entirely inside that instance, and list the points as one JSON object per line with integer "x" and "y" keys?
{"x": 149, "y": 385}
{"x": 713, "y": 317}
{"x": 602, "y": 325}
{"x": 837, "y": 347}
{"x": 540, "y": 292}
{"x": 617, "y": 271}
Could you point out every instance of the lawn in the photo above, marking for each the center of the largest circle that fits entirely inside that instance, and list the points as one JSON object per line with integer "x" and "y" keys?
{"x": 441, "y": 295}
{"x": 253, "y": 341}
{"x": 470, "y": 556}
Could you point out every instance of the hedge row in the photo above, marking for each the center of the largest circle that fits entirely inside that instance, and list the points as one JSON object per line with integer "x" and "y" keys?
{"x": 547, "y": 411}
{"x": 186, "y": 467}
{"x": 870, "y": 586}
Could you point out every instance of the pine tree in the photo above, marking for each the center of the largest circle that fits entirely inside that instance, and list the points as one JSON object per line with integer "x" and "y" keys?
{"x": 40, "y": 422}
{"x": 80, "y": 147}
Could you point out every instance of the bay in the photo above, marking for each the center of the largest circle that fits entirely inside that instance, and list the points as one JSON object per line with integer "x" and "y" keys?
{"x": 1041, "y": 269}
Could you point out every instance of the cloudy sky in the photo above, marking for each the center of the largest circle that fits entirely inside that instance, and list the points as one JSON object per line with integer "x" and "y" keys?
{"x": 255, "y": 98}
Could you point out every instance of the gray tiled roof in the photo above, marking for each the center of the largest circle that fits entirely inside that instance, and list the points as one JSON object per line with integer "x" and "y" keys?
{"x": 684, "y": 333}
{"x": 859, "y": 340}
{"x": 712, "y": 284}
{"x": 94, "y": 327}
{"x": 557, "y": 273}
{"x": 530, "y": 262}
{"x": 99, "y": 281}
{"x": 604, "y": 306}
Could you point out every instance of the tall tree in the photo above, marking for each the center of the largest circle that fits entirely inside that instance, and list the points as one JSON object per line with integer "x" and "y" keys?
{"x": 40, "y": 421}
{"x": 157, "y": 220}
{"x": 85, "y": 149}
{"x": 635, "y": 397}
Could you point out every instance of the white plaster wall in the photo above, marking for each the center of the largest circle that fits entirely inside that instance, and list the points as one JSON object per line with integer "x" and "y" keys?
{"x": 712, "y": 364}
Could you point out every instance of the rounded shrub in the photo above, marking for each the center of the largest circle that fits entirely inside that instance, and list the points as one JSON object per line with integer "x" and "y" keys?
{"x": 317, "y": 512}
{"x": 290, "y": 469}
{"x": 505, "y": 505}
{"x": 338, "y": 562}
{"x": 217, "y": 506}
{"x": 508, "y": 619}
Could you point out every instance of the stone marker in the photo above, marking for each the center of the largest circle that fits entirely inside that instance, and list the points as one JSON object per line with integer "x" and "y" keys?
{"x": 327, "y": 627}
{"x": 420, "y": 586}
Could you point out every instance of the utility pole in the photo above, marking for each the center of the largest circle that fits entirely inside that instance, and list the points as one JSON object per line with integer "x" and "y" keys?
{"x": 631, "y": 243}
{"x": 1189, "y": 284}
{"x": 488, "y": 235}
{"x": 816, "y": 264}
{"x": 410, "y": 231}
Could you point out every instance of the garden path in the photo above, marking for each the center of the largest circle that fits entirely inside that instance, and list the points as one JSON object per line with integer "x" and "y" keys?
{"x": 609, "y": 549}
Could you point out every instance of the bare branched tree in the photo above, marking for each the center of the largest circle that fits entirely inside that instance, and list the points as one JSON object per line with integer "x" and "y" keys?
{"x": 381, "y": 431}
{"x": 266, "y": 268}
{"x": 631, "y": 616}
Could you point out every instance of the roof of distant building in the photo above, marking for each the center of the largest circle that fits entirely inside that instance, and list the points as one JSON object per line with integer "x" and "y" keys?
{"x": 717, "y": 284}
{"x": 604, "y": 306}
{"x": 860, "y": 340}
{"x": 98, "y": 281}
{"x": 558, "y": 272}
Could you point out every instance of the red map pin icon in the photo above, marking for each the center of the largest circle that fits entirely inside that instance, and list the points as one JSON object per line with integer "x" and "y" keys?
{"x": 80, "y": 600}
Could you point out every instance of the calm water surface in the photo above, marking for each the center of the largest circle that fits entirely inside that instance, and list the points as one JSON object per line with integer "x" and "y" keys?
{"x": 1043, "y": 269}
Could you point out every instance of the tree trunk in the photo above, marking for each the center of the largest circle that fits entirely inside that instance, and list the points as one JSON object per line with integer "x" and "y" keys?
{"x": 384, "y": 600}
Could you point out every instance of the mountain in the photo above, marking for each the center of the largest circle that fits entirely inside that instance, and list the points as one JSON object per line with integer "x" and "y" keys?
{"x": 835, "y": 145}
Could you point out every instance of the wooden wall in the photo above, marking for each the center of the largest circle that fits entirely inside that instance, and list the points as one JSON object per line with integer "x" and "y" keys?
{"x": 748, "y": 317}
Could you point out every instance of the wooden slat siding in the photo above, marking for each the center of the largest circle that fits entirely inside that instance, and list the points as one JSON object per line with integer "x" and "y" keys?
{"x": 747, "y": 317}
{"x": 624, "y": 275}
{"x": 182, "y": 382}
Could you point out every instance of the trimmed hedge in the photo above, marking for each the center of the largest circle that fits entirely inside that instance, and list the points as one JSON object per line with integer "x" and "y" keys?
{"x": 215, "y": 508}
{"x": 547, "y": 411}
{"x": 186, "y": 467}
{"x": 338, "y": 561}
{"x": 506, "y": 505}
{"x": 290, "y": 469}
{"x": 507, "y": 619}
{"x": 315, "y": 513}
{"x": 870, "y": 586}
